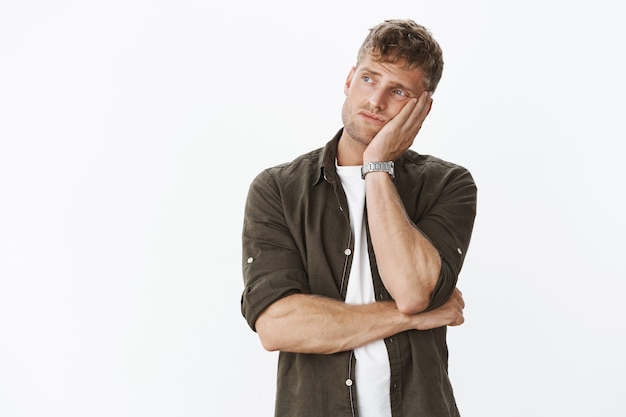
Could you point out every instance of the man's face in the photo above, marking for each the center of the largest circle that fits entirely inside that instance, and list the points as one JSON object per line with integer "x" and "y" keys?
{"x": 375, "y": 93}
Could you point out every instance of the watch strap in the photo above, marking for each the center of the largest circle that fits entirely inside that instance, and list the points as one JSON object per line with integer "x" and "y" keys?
{"x": 378, "y": 167}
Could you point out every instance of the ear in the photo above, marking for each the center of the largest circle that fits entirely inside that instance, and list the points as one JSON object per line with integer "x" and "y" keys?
{"x": 430, "y": 105}
{"x": 346, "y": 86}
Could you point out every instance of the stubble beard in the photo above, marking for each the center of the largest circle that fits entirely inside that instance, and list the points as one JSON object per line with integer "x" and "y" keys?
{"x": 358, "y": 132}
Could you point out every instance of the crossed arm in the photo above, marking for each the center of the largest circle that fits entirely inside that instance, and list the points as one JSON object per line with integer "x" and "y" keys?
{"x": 409, "y": 267}
{"x": 312, "y": 324}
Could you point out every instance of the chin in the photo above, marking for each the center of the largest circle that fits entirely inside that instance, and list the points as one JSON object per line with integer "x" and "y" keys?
{"x": 360, "y": 134}
{"x": 364, "y": 138}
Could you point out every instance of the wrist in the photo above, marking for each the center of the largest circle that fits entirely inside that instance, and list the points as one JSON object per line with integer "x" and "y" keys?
{"x": 385, "y": 166}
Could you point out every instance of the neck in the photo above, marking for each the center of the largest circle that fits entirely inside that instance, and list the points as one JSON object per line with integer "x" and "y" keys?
{"x": 349, "y": 151}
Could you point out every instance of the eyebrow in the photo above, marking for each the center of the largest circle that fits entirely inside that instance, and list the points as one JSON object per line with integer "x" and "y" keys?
{"x": 395, "y": 84}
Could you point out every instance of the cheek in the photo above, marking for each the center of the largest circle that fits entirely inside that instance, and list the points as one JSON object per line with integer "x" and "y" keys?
{"x": 394, "y": 109}
{"x": 355, "y": 97}
{"x": 345, "y": 112}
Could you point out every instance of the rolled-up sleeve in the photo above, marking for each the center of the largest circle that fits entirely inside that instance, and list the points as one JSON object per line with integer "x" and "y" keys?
{"x": 272, "y": 264}
{"x": 448, "y": 223}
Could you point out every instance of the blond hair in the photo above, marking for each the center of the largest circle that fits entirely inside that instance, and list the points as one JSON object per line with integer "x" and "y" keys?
{"x": 406, "y": 43}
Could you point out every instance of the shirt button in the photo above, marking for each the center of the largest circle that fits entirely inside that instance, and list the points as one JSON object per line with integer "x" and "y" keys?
{"x": 459, "y": 251}
{"x": 347, "y": 252}
{"x": 250, "y": 260}
{"x": 349, "y": 382}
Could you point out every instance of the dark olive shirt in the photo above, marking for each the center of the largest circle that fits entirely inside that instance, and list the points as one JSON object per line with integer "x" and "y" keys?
{"x": 297, "y": 239}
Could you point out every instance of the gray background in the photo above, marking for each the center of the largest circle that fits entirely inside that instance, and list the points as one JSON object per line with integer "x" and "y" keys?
{"x": 130, "y": 131}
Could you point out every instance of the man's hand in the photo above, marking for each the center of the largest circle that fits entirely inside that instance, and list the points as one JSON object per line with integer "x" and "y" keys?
{"x": 449, "y": 314}
{"x": 400, "y": 132}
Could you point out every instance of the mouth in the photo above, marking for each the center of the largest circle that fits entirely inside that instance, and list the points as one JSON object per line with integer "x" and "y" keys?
{"x": 371, "y": 117}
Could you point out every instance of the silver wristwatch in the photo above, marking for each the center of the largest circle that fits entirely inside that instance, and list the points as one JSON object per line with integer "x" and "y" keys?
{"x": 377, "y": 166}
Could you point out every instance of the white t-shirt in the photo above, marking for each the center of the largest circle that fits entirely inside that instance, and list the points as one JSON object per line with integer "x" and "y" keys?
{"x": 372, "y": 372}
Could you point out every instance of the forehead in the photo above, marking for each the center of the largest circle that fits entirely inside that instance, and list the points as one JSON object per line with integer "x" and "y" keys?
{"x": 397, "y": 73}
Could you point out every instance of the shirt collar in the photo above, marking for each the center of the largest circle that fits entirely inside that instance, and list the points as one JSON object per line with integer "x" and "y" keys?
{"x": 326, "y": 165}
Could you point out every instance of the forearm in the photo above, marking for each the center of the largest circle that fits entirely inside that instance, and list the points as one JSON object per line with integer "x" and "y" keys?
{"x": 313, "y": 324}
{"x": 408, "y": 263}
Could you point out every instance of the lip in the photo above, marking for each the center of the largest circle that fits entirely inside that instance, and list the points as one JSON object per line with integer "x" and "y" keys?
{"x": 372, "y": 117}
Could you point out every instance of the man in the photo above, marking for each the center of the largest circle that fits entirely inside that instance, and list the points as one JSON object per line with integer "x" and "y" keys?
{"x": 351, "y": 253}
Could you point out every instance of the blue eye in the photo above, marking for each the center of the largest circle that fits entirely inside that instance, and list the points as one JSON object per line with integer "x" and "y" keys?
{"x": 400, "y": 93}
{"x": 367, "y": 79}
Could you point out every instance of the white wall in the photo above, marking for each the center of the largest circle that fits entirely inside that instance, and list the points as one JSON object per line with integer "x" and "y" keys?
{"x": 130, "y": 130}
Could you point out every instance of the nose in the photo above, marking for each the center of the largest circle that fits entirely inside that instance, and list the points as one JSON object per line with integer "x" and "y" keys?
{"x": 377, "y": 99}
